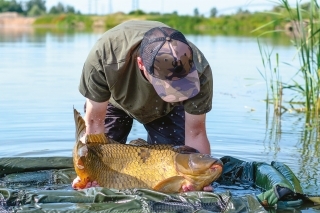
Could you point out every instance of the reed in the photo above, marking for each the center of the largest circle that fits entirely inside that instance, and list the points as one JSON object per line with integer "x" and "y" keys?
{"x": 271, "y": 75}
{"x": 305, "y": 36}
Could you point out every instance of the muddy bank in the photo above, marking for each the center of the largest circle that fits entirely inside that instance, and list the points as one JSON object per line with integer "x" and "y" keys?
{"x": 14, "y": 19}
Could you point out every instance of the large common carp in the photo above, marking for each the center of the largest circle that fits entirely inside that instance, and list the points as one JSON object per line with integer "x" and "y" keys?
{"x": 164, "y": 168}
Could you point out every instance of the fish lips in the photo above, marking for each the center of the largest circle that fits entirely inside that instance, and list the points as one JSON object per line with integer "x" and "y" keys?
{"x": 196, "y": 164}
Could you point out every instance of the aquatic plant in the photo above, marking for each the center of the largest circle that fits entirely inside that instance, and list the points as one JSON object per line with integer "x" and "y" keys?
{"x": 272, "y": 79}
{"x": 303, "y": 27}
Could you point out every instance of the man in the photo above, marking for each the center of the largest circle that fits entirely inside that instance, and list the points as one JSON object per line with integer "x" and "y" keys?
{"x": 146, "y": 71}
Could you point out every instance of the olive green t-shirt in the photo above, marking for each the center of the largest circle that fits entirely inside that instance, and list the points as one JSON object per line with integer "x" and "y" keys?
{"x": 111, "y": 73}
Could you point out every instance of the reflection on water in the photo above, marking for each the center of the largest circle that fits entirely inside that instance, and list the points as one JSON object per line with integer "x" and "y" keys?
{"x": 39, "y": 76}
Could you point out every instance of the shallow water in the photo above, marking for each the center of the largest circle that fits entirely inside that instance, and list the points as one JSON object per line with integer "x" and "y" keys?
{"x": 39, "y": 76}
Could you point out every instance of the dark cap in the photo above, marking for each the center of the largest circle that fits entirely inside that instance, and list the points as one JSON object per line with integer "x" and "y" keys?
{"x": 168, "y": 58}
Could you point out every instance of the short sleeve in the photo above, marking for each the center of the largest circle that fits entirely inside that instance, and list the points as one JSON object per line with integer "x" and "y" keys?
{"x": 93, "y": 83}
{"x": 202, "y": 102}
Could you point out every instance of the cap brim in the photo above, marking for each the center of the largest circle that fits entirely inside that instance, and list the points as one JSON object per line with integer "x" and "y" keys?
{"x": 177, "y": 90}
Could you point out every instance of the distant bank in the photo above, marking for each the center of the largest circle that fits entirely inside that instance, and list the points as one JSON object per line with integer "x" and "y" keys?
{"x": 14, "y": 19}
{"x": 238, "y": 24}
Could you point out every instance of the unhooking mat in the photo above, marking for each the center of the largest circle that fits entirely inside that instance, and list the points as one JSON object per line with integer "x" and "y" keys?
{"x": 44, "y": 185}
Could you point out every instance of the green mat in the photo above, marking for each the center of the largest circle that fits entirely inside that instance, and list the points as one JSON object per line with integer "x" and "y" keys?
{"x": 44, "y": 185}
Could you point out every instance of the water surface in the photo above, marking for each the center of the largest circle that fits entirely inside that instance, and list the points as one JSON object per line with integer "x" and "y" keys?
{"x": 39, "y": 77}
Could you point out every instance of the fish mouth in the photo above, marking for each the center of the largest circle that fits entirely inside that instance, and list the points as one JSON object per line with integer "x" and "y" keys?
{"x": 216, "y": 167}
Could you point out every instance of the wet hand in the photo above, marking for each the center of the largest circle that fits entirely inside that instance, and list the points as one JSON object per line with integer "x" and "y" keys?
{"x": 208, "y": 188}
{"x": 88, "y": 185}
{"x": 190, "y": 188}
{"x": 92, "y": 184}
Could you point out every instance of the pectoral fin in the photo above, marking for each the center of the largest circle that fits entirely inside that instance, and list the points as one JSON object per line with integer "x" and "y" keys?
{"x": 80, "y": 164}
{"x": 170, "y": 185}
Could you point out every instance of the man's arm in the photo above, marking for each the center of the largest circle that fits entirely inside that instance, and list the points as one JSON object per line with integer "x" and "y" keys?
{"x": 94, "y": 118}
{"x": 196, "y": 135}
{"x": 95, "y": 115}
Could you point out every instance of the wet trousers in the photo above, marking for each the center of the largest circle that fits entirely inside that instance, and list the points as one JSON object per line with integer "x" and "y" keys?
{"x": 169, "y": 129}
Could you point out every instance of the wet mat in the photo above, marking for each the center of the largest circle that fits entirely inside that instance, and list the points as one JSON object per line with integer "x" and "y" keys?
{"x": 44, "y": 185}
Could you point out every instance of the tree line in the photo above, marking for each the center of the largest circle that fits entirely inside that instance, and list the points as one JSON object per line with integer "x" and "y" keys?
{"x": 34, "y": 7}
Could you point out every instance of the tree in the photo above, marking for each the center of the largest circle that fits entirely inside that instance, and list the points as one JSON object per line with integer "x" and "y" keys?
{"x": 10, "y": 6}
{"x": 59, "y": 8}
{"x": 38, "y": 6}
{"x": 213, "y": 12}
{"x": 35, "y": 11}
{"x": 196, "y": 12}
{"x": 70, "y": 9}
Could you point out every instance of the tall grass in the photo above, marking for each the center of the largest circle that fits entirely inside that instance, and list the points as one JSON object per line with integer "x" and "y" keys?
{"x": 271, "y": 75}
{"x": 305, "y": 37}
{"x": 307, "y": 44}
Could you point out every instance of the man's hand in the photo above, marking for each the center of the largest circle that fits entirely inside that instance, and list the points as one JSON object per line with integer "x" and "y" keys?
{"x": 89, "y": 184}
{"x": 208, "y": 188}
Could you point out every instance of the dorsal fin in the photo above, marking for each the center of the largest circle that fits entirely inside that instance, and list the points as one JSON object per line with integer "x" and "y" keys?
{"x": 81, "y": 129}
{"x": 183, "y": 149}
{"x": 80, "y": 125}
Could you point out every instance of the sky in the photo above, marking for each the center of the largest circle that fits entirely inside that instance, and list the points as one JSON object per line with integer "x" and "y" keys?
{"x": 183, "y": 7}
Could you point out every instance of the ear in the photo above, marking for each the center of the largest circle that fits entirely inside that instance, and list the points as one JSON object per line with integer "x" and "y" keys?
{"x": 143, "y": 68}
{"x": 140, "y": 63}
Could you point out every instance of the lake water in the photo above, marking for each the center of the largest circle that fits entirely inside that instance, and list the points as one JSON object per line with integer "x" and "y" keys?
{"x": 39, "y": 77}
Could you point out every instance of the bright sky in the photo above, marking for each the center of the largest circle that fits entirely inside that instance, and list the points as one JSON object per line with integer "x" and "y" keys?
{"x": 183, "y": 7}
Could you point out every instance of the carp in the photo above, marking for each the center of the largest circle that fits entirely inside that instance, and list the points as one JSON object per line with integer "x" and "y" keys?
{"x": 164, "y": 168}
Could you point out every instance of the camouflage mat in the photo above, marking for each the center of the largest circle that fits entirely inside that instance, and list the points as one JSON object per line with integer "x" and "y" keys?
{"x": 44, "y": 185}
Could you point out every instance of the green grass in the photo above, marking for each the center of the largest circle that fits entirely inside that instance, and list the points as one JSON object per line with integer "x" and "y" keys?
{"x": 65, "y": 21}
{"x": 237, "y": 24}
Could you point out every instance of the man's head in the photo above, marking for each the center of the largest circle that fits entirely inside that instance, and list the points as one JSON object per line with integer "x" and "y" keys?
{"x": 167, "y": 59}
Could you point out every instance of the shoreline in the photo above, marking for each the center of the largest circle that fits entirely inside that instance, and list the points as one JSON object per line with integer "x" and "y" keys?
{"x": 10, "y": 19}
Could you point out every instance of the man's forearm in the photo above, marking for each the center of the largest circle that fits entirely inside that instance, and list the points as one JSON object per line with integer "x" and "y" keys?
{"x": 196, "y": 135}
{"x": 95, "y": 115}
{"x": 199, "y": 142}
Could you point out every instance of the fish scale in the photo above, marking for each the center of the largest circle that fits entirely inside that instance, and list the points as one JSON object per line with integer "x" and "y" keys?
{"x": 160, "y": 167}
{"x": 124, "y": 168}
